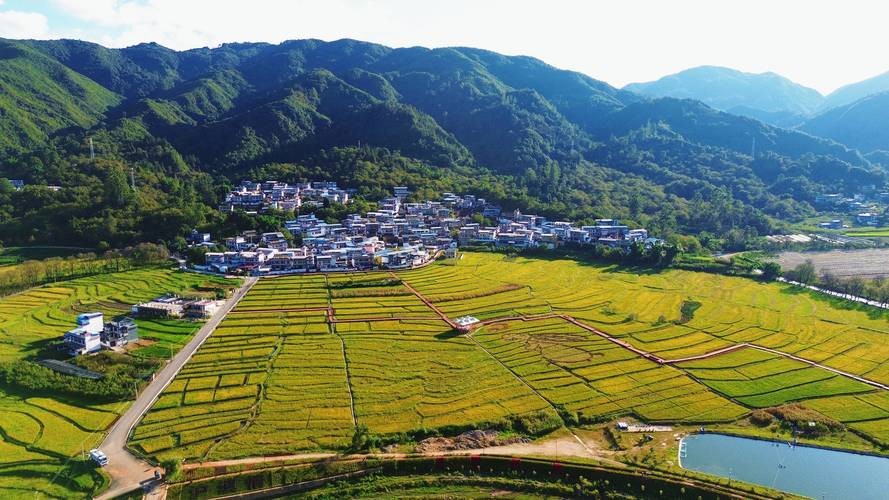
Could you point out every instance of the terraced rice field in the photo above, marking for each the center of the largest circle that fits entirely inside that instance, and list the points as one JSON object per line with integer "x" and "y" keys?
{"x": 303, "y": 360}
{"x": 597, "y": 378}
{"x": 761, "y": 379}
{"x": 406, "y": 376}
{"x": 289, "y": 388}
{"x": 43, "y": 435}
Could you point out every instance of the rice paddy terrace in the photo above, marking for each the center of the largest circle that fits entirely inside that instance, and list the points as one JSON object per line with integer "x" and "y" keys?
{"x": 301, "y": 361}
{"x": 41, "y": 435}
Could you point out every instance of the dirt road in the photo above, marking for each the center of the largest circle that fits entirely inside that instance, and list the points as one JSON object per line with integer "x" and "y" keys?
{"x": 565, "y": 446}
{"x": 128, "y": 472}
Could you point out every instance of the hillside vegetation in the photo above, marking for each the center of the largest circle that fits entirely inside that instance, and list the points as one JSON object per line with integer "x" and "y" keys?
{"x": 512, "y": 129}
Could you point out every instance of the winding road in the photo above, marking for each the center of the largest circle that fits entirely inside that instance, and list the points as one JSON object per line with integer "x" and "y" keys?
{"x": 127, "y": 471}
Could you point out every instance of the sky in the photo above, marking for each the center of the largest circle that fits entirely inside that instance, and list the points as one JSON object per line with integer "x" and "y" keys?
{"x": 820, "y": 44}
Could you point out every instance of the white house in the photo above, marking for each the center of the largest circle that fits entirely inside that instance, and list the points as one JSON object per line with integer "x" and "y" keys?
{"x": 87, "y": 337}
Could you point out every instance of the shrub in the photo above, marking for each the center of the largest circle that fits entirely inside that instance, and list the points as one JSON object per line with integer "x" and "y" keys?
{"x": 537, "y": 423}
{"x": 33, "y": 377}
{"x": 761, "y": 418}
{"x": 172, "y": 468}
{"x": 687, "y": 310}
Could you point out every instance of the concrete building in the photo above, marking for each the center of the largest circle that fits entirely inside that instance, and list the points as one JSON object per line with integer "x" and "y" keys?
{"x": 119, "y": 332}
{"x": 200, "y": 309}
{"x": 86, "y": 338}
{"x": 168, "y": 306}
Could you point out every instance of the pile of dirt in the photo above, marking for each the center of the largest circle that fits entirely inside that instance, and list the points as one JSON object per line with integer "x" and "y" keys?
{"x": 467, "y": 441}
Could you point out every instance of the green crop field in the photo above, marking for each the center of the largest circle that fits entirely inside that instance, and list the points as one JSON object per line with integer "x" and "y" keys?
{"x": 868, "y": 233}
{"x": 760, "y": 379}
{"x": 303, "y": 360}
{"x": 43, "y": 435}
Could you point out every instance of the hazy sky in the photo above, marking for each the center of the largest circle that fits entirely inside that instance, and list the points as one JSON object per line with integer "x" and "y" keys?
{"x": 817, "y": 43}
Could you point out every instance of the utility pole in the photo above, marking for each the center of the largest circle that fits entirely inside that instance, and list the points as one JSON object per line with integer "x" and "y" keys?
{"x": 92, "y": 150}
{"x": 133, "y": 178}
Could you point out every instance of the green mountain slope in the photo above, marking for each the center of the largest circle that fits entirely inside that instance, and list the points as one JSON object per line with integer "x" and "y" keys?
{"x": 39, "y": 96}
{"x": 703, "y": 125}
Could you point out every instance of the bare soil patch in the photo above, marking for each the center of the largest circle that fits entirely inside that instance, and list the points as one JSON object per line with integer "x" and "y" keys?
{"x": 469, "y": 440}
{"x": 869, "y": 263}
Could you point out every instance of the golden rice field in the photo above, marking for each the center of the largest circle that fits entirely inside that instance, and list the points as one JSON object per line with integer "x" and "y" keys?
{"x": 42, "y": 434}
{"x": 302, "y": 360}
{"x": 596, "y": 378}
{"x": 288, "y": 386}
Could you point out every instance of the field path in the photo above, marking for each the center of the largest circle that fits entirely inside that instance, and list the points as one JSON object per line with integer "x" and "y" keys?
{"x": 735, "y": 347}
{"x": 331, "y": 326}
{"x": 428, "y": 303}
{"x": 566, "y": 446}
{"x": 128, "y": 472}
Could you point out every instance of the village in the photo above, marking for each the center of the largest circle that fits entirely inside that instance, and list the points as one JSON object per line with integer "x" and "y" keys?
{"x": 397, "y": 235}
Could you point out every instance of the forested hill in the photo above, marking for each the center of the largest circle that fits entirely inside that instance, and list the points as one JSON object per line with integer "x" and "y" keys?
{"x": 513, "y": 129}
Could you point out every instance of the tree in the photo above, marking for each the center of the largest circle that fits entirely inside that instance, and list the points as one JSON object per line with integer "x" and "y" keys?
{"x": 196, "y": 254}
{"x": 363, "y": 440}
{"x": 149, "y": 253}
{"x": 805, "y": 273}
{"x": 771, "y": 270}
{"x": 117, "y": 191}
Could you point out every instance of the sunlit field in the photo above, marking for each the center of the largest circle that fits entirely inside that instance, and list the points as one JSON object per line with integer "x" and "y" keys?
{"x": 304, "y": 360}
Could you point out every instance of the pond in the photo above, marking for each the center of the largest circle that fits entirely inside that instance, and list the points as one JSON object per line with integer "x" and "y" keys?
{"x": 812, "y": 472}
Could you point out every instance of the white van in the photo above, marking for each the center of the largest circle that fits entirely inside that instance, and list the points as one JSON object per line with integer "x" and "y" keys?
{"x": 99, "y": 457}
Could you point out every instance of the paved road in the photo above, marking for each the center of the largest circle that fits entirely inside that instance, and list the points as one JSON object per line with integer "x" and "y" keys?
{"x": 128, "y": 472}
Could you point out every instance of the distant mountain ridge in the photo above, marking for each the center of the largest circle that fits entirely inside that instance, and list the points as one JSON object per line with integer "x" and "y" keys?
{"x": 862, "y": 124}
{"x": 760, "y": 96}
{"x": 848, "y": 94}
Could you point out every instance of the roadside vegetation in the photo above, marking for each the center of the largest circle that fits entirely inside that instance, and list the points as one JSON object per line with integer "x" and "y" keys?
{"x": 455, "y": 477}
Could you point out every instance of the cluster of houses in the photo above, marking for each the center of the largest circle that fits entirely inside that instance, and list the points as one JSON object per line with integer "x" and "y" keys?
{"x": 861, "y": 208}
{"x": 273, "y": 195}
{"x": 93, "y": 333}
{"x": 397, "y": 235}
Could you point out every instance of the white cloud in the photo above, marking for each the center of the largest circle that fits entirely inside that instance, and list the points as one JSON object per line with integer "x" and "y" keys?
{"x": 16, "y": 24}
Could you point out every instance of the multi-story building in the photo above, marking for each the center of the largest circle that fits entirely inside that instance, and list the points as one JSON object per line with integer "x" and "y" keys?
{"x": 87, "y": 337}
{"x": 120, "y": 331}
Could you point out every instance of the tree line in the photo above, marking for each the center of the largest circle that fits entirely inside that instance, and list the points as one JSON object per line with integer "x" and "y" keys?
{"x": 876, "y": 289}
{"x": 31, "y": 273}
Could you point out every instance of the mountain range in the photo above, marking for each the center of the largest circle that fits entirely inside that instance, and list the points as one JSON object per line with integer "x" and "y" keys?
{"x": 181, "y": 126}
{"x": 851, "y": 115}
